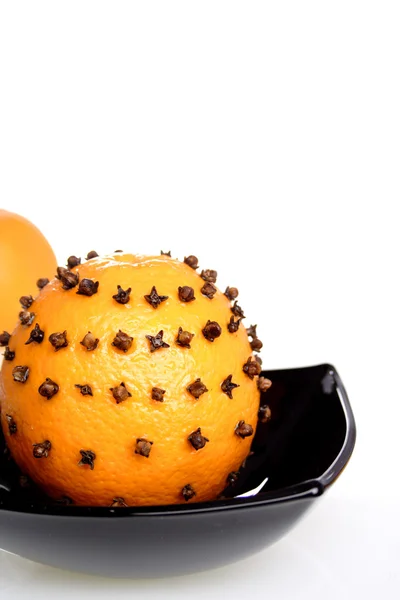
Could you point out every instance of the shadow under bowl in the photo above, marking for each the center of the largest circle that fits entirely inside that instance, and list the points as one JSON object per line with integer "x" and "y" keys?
{"x": 302, "y": 450}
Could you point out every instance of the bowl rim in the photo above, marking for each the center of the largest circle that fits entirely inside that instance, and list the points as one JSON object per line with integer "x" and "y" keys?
{"x": 306, "y": 489}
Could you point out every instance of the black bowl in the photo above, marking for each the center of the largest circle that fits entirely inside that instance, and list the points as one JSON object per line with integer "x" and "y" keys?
{"x": 302, "y": 450}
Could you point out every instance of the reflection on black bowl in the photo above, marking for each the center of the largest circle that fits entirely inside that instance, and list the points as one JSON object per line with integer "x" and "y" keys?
{"x": 301, "y": 451}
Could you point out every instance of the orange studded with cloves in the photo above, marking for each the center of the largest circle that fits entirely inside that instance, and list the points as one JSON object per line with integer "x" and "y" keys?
{"x": 130, "y": 382}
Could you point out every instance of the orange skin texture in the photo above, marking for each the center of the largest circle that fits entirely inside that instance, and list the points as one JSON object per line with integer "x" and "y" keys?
{"x": 73, "y": 422}
{"x": 25, "y": 256}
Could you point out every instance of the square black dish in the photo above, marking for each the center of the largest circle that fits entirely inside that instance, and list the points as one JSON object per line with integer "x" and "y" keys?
{"x": 301, "y": 450}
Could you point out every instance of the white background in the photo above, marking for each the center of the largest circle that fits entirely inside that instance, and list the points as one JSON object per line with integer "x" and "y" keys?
{"x": 265, "y": 138}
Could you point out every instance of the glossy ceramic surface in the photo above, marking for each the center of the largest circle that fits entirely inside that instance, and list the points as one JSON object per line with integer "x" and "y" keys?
{"x": 301, "y": 451}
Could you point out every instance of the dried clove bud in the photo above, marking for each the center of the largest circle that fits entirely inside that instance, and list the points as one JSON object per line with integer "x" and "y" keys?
{"x": 26, "y": 301}
{"x": 188, "y": 492}
{"x": 12, "y": 426}
{"x": 89, "y": 341}
{"x": 42, "y": 282}
{"x": 122, "y": 296}
{"x": 252, "y": 368}
{"x": 116, "y": 251}
{"x": 118, "y": 502}
{"x": 36, "y": 335}
{"x": 209, "y": 275}
{"x": 154, "y": 299}
{"x": 122, "y": 341}
{"x": 91, "y": 254}
{"x": 264, "y": 414}
{"x": 259, "y": 360}
{"x": 252, "y": 331}
{"x": 243, "y": 430}
{"x": 120, "y": 393}
{"x": 9, "y": 354}
{"x": 184, "y": 338}
{"x": 73, "y": 261}
{"x": 58, "y": 340}
{"x": 143, "y": 447}
{"x": 256, "y": 345}
{"x": 156, "y": 341}
{"x": 60, "y": 272}
{"x": 41, "y": 450}
{"x": 211, "y": 331}
{"x": 157, "y": 394}
{"x": 227, "y": 386}
{"x": 197, "y": 388}
{"x": 264, "y": 384}
{"x": 48, "y": 388}
{"x": 231, "y": 293}
{"x": 4, "y": 338}
{"x": 88, "y": 458}
{"x": 26, "y": 317}
{"x": 197, "y": 440}
{"x": 166, "y": 253}
{"x": 186, "y": 293}
{"x": 87, "y": 287}
{"x": 20, "y": 374}
{"x": 233, "y": 325}
{"x": 237, "y": 311}
{"x": 209, "y": 290}
{"x": 85, "y": 390}
{"x": 191, "y": 261}
{"x": 233, "y": 477}
{"x": 69, "y": 280}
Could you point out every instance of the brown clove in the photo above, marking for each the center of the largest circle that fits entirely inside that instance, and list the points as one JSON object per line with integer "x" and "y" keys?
{"x": 157, "y": 394}
{"x": 186, "y": 293}
{"x": 85, "y": 390}
{"x": 87, "y": 287}
{"x": 118, "y": 502}
{"x": 42, "y": 282}
{"x": 166, "y": 253}
{"x": 191, "y": 261}
{"x": 252, "y": 331}
{"x": 88, "y": 458}
{"x": 209, "y": 290}
{"x": 188, "y": 492}
{"x": 20, "y": 374}
{"x": 48, "y": 388}
{"x": 252, "y": 368}
{"x": 237, "y": 310}
{"x": 73, "y": 261}
{"x": 90, "y": 342}
{"x": 120, "y": 393}
{"x": 264, "y": 384}
{"x": 26, "y": 301}
{"x": 233, "y": 325}
{"x": 184, "y": 338}
{"x": 69, "y": 280}
{"x": 256, "y": 345}
{"x": 12, "y": 426}
{"x": 36, "y": 335}
{"x": 209, "y": 275}
{"x": 26, "y": 317}
{"x": 243, "y": 430}
{"x": 58, "y": 340}
{"x": 92, "y": 254}
{"x": 154, "y": 299}
{"x": 197, "y": 440}
{"x": 122, "y": 296}
{"x": 122, "y": 341}
{"x": 233, "y": 477}
{"x": 197, "y": 388}
{"x": 143, "y": 447}
{"x": 9, "y": 354}
{"x": 60, "y": 272}
{"x": 211, "y": 331}
{"x": 42, "y": 450}
{"x": 264, "y": 414}
{"x": 156, "y": 341}
{"x": 227, "y": 386}
{"x": 4, "y": 338}
{"x": 231, "y": 293}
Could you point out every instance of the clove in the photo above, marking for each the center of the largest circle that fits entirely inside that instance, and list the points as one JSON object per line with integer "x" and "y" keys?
{"x": 188, "y": 492}
{"x": 209, "y": 290}
{"x": 252, "y": 368}
{"x": 256, "y": 345}
{"x": 197, "y": 440}
{"x": 227, "y": 386}
{"x": 88, "y": 458}
{"x": 143, "y": 447}
{"x": 42, "y": 282}
{"x": 122, "y": 341}
{"x": 156, "y": 341}
{"x": 154, "y": 299}
{"x": 122, "y": 296}
{"x": 20, "y": 374}
{"x": 9, "y": 354}
{"x": 118, "y": 502}
{"x": 209, "y": 275}
{"x": 237, "y": 310}
{"x": 73, "y": 261}
{"x": 42, "y": 450}
{"x": 120, "y": 393}
{"x": 12, "y": 426}
{"x": 87, "y": 287}
{"x": 211, "y": 331}
{"x": 48, "y": 388}
{"x": 233, "y": 325}
{"x": 85, "y": 390}
{"x": 186, "y": 293}
{"x": 166, "y": 253}
{"x": 4, "y": 338}
{"x": 36, "y": 335}
{"x": 231, "y": 293}
{"x": 92, "y": 254}
{"x": 26, "y": 301}
{"x": 233, "y": 477}
{"x": 252, "y": 331}
{"x": 243, "y": 430}
{"x": 26, "y": 317}
{"x": 184, "y": 338}
{"x": 69, "y": 280}
{"x": 264, "y": 384}
{"x": 58, "y": 340}
{"x": 264, "y": 414}
{"x": 89, "y": 341}
{"x": 191, "y": 261}
{"x": 157, "y": 394}
{"x": 197, "y": 388}
{"x": 60, "y": 272}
